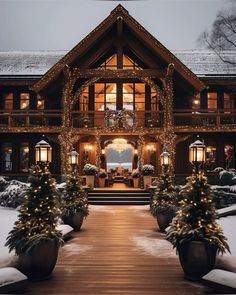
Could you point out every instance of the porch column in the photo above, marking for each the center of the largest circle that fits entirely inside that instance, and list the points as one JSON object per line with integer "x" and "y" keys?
{"x": 99, "y": 150}
{"x": 168, "y": 137}
{"x": 140, "y": 156}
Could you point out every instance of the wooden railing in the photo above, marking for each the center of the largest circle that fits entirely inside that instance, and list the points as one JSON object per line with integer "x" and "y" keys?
{"x": 149, "y": 119}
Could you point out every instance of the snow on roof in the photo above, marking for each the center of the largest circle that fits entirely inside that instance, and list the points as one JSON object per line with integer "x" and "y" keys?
{"x": 37, "y": 63}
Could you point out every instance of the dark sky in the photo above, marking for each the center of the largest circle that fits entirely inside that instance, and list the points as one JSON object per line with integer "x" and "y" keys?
{"x": 61, "y": 24}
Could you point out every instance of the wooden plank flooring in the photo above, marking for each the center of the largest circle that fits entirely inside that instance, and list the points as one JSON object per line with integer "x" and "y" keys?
{"x": 118, "y": 251}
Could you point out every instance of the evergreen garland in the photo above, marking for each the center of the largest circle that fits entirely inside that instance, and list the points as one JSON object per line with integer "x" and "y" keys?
{"x": 38, "y": 215}
{"x": 74, "y": 198}
{"x": 164, "y": 198}
{"x": 196, "y": 218}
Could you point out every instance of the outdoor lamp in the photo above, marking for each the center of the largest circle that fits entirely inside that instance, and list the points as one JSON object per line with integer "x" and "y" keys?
{"x": 73, "y": 157}
{"x": 43, "y": 152}
{"x": 165, "y": 158}
{"x": 197, "y": 153}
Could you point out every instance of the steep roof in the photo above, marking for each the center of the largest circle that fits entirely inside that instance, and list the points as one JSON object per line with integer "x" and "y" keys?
{"x": 117, "y": 14}
{"x": 37, "y": 63}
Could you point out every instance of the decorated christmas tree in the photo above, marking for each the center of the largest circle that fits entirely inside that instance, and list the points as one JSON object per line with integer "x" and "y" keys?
{"x": 38, "y": 215}
{"x": 164, "y": 198}
{"x": 74, "y": 198}
{"x": 196, "y": 218}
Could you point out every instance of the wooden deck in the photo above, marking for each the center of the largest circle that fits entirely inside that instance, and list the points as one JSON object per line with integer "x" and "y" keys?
{"x": 118, "y": 251}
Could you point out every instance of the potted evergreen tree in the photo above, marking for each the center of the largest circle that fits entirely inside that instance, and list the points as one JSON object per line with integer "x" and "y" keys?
{"x": 163, "y": 203}
{"x": 135, "y": 175}
{"x": 101, "y": 177}
{"x": 34, "y": 236}
{"x": 147, "y": 172}
{"x": 74, "y": 205}
{"x": 194, "y": 231}
{"x": 90, "y": 171}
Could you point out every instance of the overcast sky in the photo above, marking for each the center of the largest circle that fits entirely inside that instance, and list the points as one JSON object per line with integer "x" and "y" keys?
{"x": 61, "y": 24}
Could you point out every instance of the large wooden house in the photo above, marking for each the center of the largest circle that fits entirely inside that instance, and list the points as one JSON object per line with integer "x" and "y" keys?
{"x": 118, "y": 86}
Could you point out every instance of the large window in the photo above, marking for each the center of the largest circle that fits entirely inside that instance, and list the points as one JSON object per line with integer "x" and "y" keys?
{"x": 228, "y": 101}
{"x": 24, "y": 157}
{"x": 8, "y": 101}
{"x": 105, "y": 96}
{"x": 125, "y": 63}
{"x": 212, "y": 100}
{"x": 229, "y": 155}
{"x": 40, "y": 102}
{"x": 24, "y": 100}
{"x": 7, "y": 156}
{"x": 210, "y": 163}
{"x": 110, "y": 63}
{"x": 134, "y": 96}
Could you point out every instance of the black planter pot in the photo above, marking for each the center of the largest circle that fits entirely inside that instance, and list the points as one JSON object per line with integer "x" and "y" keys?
{"x": 164, "y": 219}
{"x": 197, "y": 258}
{"x": 75, "y": 220}
{"x": 40, "y": 262}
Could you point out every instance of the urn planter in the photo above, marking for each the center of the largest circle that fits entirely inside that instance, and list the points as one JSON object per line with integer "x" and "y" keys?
{"x": 197, "y": 258}
{"x": 147, "y": 181}
{"x": 75, "y": 220}
{"x": 90, "y": 180}
{"x": 40, "y": 262}
{"x": 164, "y": 219}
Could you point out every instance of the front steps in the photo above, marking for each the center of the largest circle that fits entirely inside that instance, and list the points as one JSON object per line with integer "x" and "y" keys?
{"x": 118, "y": 197}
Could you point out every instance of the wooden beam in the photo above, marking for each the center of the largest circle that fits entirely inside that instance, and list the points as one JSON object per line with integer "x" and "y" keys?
{"x": 100, "y": 73}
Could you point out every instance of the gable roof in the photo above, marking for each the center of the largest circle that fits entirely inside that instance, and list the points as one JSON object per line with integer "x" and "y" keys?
{"x": 90, "y": 39}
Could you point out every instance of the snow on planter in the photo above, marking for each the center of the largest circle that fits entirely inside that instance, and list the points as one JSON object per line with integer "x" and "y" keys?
{"x": 12, "y": 280}
{"x": 221, "y": 280}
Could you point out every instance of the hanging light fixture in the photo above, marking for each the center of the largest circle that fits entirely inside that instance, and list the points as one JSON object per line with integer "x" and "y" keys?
{"x": 119, "y": 145}
{"x": 197, "y": 154}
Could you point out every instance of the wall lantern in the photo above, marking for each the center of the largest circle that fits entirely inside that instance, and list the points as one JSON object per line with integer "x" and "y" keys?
{"x": 165, "y": 159}
{"x": 43, "y": 152}
{"x": 73, "y": 157}
{"x": 135, "y": 151}
{"x": 197, "y": 153}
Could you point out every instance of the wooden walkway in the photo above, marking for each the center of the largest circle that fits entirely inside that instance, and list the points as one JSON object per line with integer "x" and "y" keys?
{"x": 118, "y": 251}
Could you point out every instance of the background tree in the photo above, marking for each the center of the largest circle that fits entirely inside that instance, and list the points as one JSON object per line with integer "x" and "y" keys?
{"x": 222, "y": 35}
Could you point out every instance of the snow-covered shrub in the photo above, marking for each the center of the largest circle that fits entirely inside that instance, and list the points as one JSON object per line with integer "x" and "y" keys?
{"x": 227, "y": 178}
{"x": 147, "y": 170}
{"x": 223, "y": 198}
{"x": 13, "y": 194}
{"x": 218, "y": 169}
{"x": 3, "y": 183}
{"x": 90, "y": 169}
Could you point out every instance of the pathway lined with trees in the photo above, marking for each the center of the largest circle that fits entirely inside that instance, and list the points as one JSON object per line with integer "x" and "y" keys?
{"x": 117, "y": 251}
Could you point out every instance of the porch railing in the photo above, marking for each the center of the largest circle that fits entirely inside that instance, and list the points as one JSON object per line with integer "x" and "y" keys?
{"x": 149, "y": 119}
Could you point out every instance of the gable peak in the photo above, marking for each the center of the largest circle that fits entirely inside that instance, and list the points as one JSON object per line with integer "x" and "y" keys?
{"x": 119, "y": 9}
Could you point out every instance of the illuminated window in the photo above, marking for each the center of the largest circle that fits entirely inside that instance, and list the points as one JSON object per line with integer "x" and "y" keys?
{"x": 8, "y": 101}
{"x": 212, "y": 100}
{"x": 110, "y": 63}
{"x": 84, "y": 100}
{"x": 7, "y": 156}
{"x": 105, "y": 96}
{"x": 24, "y": 157}
{"x": 228, "y": 101}
{"x": 210, "y": 163}
{"x": 134, "y": 96}
{"x": 40, "y": 103}
{"x": 24, "y": 101}
{"x": 196, "y": 102}
{"x": 128, "y": 63}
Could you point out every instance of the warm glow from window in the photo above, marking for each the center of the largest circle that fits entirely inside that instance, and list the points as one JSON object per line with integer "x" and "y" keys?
{"x": 128, "y": 63}
{"x": 196, "y": 102}
{"x": 24, "y": 101}
{"x": 212, "y": 100}
{"x": 40, "y": 102}
{"x": 8, "y": 101}
{"x": 24, "y": 157}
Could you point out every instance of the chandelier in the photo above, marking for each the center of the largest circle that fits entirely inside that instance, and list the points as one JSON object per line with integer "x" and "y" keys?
{"x": 119, "y": 145}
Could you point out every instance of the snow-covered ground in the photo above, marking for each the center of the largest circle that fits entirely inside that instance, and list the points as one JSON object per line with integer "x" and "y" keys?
{"x": 7, "y": 219}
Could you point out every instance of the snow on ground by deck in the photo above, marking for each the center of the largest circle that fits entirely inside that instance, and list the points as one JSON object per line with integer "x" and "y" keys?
{"x": 7, "y": 219}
